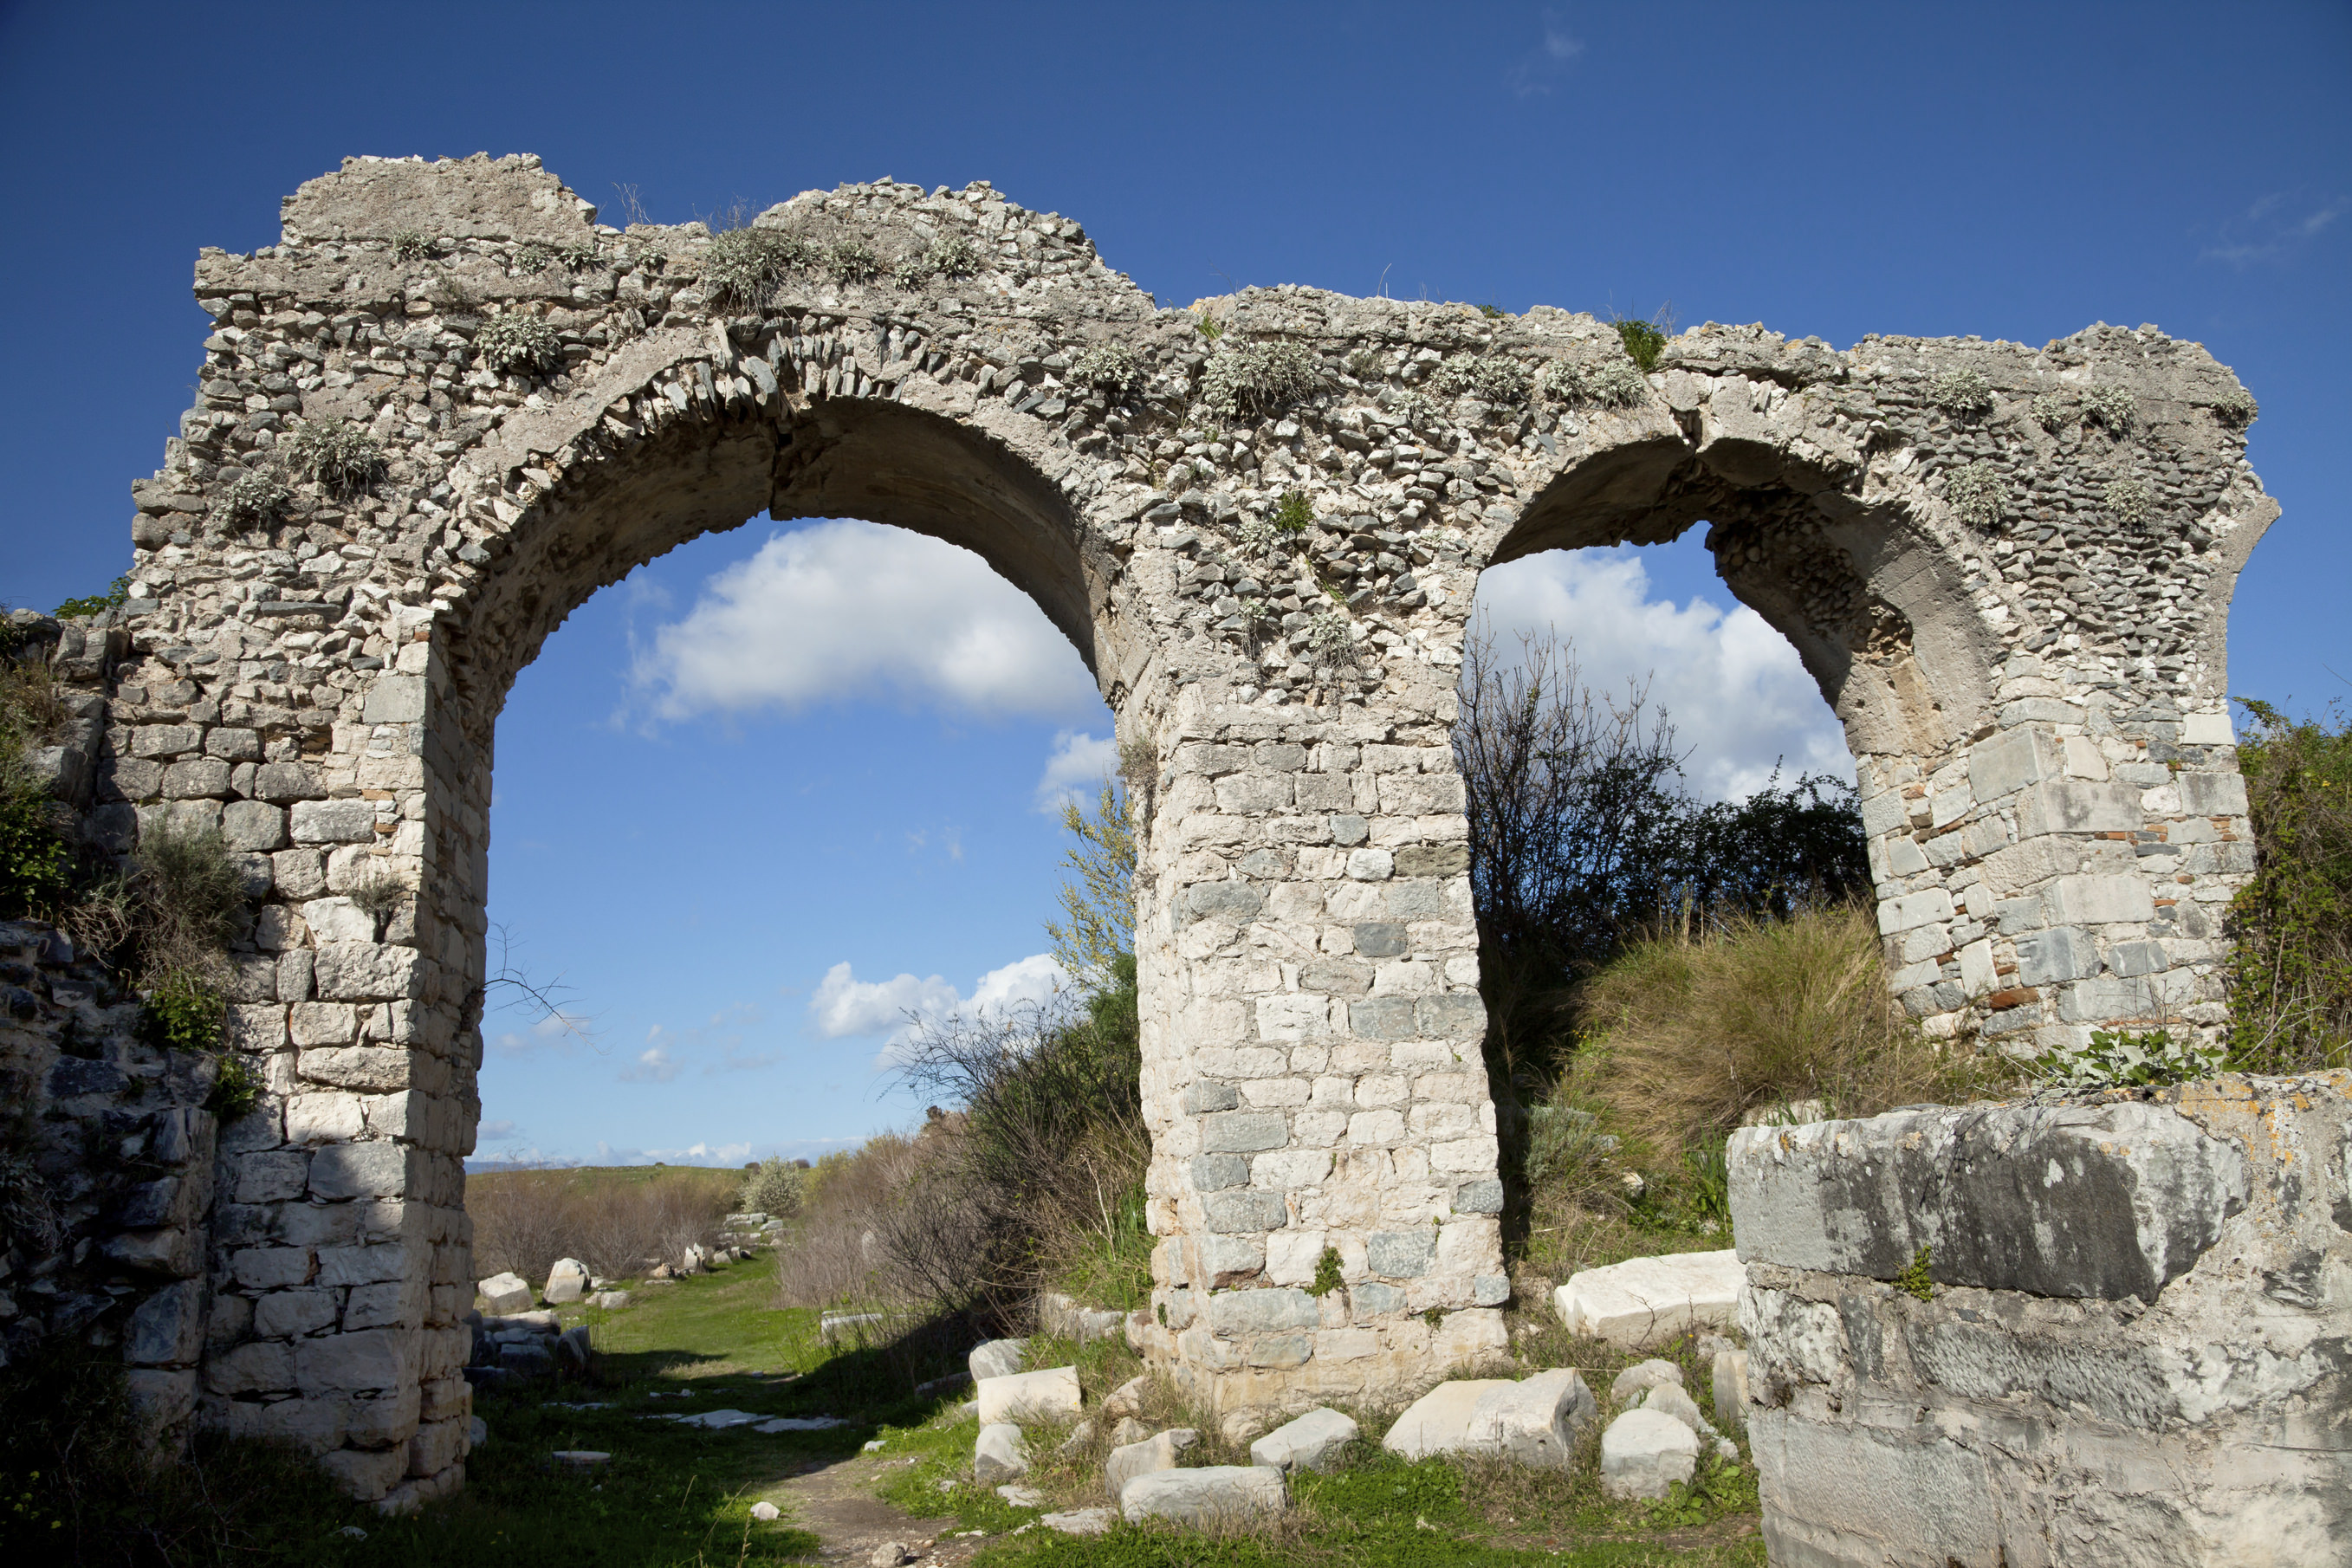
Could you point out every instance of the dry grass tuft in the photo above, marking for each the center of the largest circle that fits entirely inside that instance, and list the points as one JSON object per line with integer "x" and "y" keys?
{"x": 1688, "y": 1039}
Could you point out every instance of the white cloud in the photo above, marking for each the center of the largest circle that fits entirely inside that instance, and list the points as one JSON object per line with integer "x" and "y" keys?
{"x": 1559, "y": 49}
{"x": 1076, "y": 769}
{"x": 1737, "y": 695}
{"x": 844, "y": 1005}
{"x": 558, "y": 1029}
{"x": 491, "y": 1131}
{"x": 654, "y": 1064}
{"x": 701, "y": 1153}
{"x": 850, "y": 609}
{"x": 2275, "y": 228}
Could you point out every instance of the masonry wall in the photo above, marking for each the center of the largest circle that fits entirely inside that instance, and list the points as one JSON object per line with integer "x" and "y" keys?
{"x": 2009, "y": 569}
{"x": 2133, "y": 1344}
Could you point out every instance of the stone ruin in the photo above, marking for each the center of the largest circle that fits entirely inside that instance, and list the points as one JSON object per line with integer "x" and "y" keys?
{"x": 448, "y": 407}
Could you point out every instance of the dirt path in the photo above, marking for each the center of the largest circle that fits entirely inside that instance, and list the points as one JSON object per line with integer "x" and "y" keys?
{"x": 836, "y": 1501}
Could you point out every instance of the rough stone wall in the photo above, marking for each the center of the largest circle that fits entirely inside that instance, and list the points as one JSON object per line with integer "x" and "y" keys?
{"x": 2027, "y": 659}
{"x": 2135, "y": 1346}
{"x": 107, "y": 1148}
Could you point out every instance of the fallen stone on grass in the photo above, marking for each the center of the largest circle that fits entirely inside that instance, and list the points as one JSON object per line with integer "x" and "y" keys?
{"x": 1644, "y": 1300}
{"x": 477, "y": 1433}
{"x": 940, "y": 1385}
{"x": 1313, "y": 1442}
{"x": 1156, "y": 1453}
{"x": 889, "y": 1555}
{"x": 1129, "y": 1430}
{"x": 1211, "y": 1495}
{"x": 1021, "y": 1496}
{"x": 1080, "y": 1436}
{"x": 567, "y": 1281}
{"x": 999, "y": 1454}
{"x": 572, "y": 1346}
{"x": 1732, "y": 1389}
{"x": 504, "y": 1293}
{"x": 1060, "y": 1316}
{"x": 1127, "y": 1399}
{"x": 1645, "y": 1452}
{"x": 800, "y": 1424}
{"x": 1081, "y": 1520}
{"x": 996, "y": 1357}
{"x": 835, "y": 1327}
{"x": 1669, "y": 1399}
{"x": 1045, "y": 1395}
{"x": 582, "y": 1458}
{"x": 1533, "y": 1422}
{"x": 610, "y": 1301}
{"x": 766, "y": 1512}
{"x": 1638, "y": 1379}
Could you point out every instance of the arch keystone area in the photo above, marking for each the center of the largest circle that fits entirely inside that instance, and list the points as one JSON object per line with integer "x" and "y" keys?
{"x": 448, "y": 408}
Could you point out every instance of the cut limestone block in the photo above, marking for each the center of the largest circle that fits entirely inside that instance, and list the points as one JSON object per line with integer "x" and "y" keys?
{"x": 999, "y": 1456}
{"x": 1638, "y": 1380}
{"x": 1060, "y": 1316}
{"x": 503, "y": 1293}
{"x": 1211, "y": 1495}
{"x": 1047, "y": 1395}
{"x": 1645, "y": 1301}
{"x": 1157, "y": 1453}
{"x": 1316, "y": 1441}
{"x": 567, "y": 1281}
{"x": 996, "y": 1357}
{"x": 1533, "y": 1422}
{"x": 1732, "y": 1389}
{"x": 1669, "y": 1399}
{"x": 1644, "y": 1452}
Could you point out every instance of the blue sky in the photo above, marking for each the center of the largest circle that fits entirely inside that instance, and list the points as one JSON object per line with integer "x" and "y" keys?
{"x": 698, "y": 853}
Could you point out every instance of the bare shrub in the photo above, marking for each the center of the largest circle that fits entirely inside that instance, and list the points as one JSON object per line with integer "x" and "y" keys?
{"x": 618, "y": 1223}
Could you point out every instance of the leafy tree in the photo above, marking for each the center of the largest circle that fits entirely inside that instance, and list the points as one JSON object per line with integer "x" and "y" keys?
{"x": 2291, "y": 976}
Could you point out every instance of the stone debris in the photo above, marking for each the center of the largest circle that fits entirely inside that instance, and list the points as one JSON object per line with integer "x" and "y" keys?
{"x": 1212, "y": 1495}
{"x": 1049, "y": 1394}
{"x": 501, "y": 1294}
{"x": 766, "y": 1512}
{"x": 832, "y": 1328}
{"x": 582, "y": 1458}
{"x": 1669, "y": 1399}
{"x": 1316, "y": 1441}
{"x": 890, "y": 1554}
{"x": 1644, "y": 1452}
{"x": 1127, "y": 1399}
{"x": 1021, "y": 1496}
{"x": 1129, "y": 1430}
{"x": 1080, "y": 1436}
{"x": 1081, "y": 1520}
{"x": 567, "y": 1281}
{"x": 610, "y": 1301}
{"x": 999, "y": 1454}
{"x": 1645, "y": 1301}
{"x": 938, "y": 1385}
{"x": 1639, "y": 1378}
{"x": 1533, "y": 1422}
{"x": 996, "y": 1357}
{"x": 1161, "y": 1451}
{"x": 1063, "y": 1318}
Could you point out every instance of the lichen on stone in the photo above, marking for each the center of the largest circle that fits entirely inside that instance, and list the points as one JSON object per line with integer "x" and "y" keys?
{"x": 1258, "y": 379}
{"x": 335, "y": 454}
{"x": 515, "y": 341}
{"x": 1976, "y": 495}
{"x": 1963, "y": 394}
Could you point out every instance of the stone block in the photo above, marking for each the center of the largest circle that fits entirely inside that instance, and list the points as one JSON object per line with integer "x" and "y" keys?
{"x": 1637, "y": 1380}
{"x": 2211, "y": 795}
{"x": 333, "y": 822}
{"x": 502, "y": 1294}
{"x": 1317, "y": 1441}
{"x": 1209, "y": 1495}
{"x": 1459, "y": 1016}
{"x": 1243, "y": 1132}
{"x": 253, "y": 826}
{"x": 1645, "y": 1452}
{"x": 1203, "y": 1095}
{"x": 1730, "y": 1389}
{"x": 2056, "y": 955}
{"x": 999, "y": 1454}
{"x": 1215, "y": 1172}
{"x": 372, "y": 1358}
{"x": 2100, "y": 1202}
{"x": 289, "y": 1314}
{"x": 2093, "y": 899}
{"x": 370, "y": 1170}
{"x": 1439, "y": 1421}
{"x": 395, "y": 699}
{"x": 1268, "y": 1311}
{"x": 1045, "y": 1396}
{"x": 2072, "y": 806}
{"x": 167, "y": 1328}
{"x": 1912, "y": 909}
{"x": 996, "y": 1358}
{"x": 1161, "y": 1451}
{"x": 1248, "y": 1210}
{"x": 1382, "y": 1018}
{"x": 256, "y": 1367}
{"x": 366, "y": 1474}
{"x": 1645, "y": 1301}
{"x": 2006, "y": 762}
{"x": 566, "y": 1281}
{"x": 1401, "y": 1254}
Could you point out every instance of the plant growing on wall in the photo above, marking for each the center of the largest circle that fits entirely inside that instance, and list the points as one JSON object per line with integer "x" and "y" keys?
{"x": 1963, "y": 394}
{"x": 1976, "y": 495}
{"x": 334, "y": 453}
{"x": 1611, "y": 384}
{"x": 1257, "y": 380}
{"x": 514, "y": 341}
{"x": 2118, "y": 1058}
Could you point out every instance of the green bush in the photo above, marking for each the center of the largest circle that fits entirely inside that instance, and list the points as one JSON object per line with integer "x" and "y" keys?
{"x": 515, "y": 341}
{"x": 184, "y": 1012}
{"x": 117, "y": 594}
{"x": 772, "y": 1187}
{"x": 2123, "y": 1058}
{"x": 342, "y": 456}
{"x": 2291, "y": 975}
{"x": 35, "y": 868}
{"x": 1644, "y": 342}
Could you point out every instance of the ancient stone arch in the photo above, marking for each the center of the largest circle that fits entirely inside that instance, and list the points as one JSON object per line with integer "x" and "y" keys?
{"x": 447, "y": 407}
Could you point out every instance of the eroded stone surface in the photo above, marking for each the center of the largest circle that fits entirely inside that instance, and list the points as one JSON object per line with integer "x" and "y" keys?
{"x": 1993, "y": 1422}
{"x": 1647, "y": 1301}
